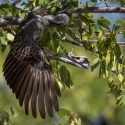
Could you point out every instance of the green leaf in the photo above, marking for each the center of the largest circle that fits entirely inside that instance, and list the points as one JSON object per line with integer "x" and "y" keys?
{"x": 115, "y": 92}
{"x": 104, "y": 71}
{"x": 41, "y": 1}
{"x": 1, "y": 32}
{"x": 107, "y": 59}
{"x": 86, "y": 18}
{"x": 4, "y": 5}
{"x": 61, "y": 85}
{"x": 116, "y": 28}
{"x": 2, "y": 118}
{"x": 121, "y": 22}
{"x": 117, "y": 51}
{"x": 10, "y": 37}
{"x": 85, "y": 38}
{"x": 65, "y": 76}
{"x": 95, "y": 63}
{"x": 63, "y": 112}
{"x": 79, "y": 121}
{"x": 120, "y": 77}
{"x": 63, "y": 73}
{"x": 121, "y": 99}
{"x": 36, "y": 2}
{"x": 13, "y": 112}
{"x": 14, "y": 11}
{"x": 101, "y": 45}
{"x": 83, "y": 18}
{"x": 100, "y": 35}
{"x": 104, "y": 19}
{"x": 78, "y": 23}
{"x": 7, "y": 117}
{"x": 45, "y": 37}
{"x": 91, "y": 30}
{"x": 3, "y": 41}
{"x": 122, "y": 2}
{"x": 55, "y": 44}
{"x": 110, "y": 81}
{"x": 69, "y": 81}
{"x": 104, "y": 22}
{"x": 89, "y": 4}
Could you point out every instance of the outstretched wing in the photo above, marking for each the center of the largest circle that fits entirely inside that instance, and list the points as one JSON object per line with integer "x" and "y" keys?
{"x": 31, "y": 78}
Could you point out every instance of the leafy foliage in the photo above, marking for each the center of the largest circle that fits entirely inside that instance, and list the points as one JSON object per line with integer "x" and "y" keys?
{"x": 109, "y": 55}
{"x": 5, "y": 117}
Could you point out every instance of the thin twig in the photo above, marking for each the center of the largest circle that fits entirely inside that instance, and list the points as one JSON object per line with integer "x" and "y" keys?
{"x": 83, "y": 29}
{"x": 73, "y": 42}
{"x": 23, "y": 10}
{"x": 74, "y": 36}
{"x": 9, "y": 31}
{"x": 95, "y": 41}
{"x": 15, "y": 3}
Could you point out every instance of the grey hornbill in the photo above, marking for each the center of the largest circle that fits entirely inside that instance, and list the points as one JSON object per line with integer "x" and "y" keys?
{"x": 25, "y": 68}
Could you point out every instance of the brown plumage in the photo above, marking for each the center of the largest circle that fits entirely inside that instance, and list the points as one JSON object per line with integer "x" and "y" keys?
{"x": 27, "y": 73}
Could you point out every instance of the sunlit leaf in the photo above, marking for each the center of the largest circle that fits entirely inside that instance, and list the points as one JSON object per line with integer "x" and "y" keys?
{"x": 3, "y": 41}
{"x": 121, "y": 99}
{"x": 95, "y": 63}
{"x": 61, "y": 85}
{"x": 107, "y": 59}
{"x": 10, "y": 37}
{"x": 110, "y": 81}
{"x": 120, "y": 77}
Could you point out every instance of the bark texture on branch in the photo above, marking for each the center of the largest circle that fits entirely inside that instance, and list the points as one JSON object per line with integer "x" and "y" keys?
{"x": 94, "y": 10}
{"x": 10, "y": 21}
{"x": 17, "y": 21}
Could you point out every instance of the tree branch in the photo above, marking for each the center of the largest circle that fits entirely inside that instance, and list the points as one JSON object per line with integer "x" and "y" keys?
{"x": 74, "y": 36}
{"x": 73, "y": 42}
{"x": 17, "y": 21}
{"x": 40, "y": 10}
{"x": 94, "y": 10}
{"x": 10, "y": 21}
